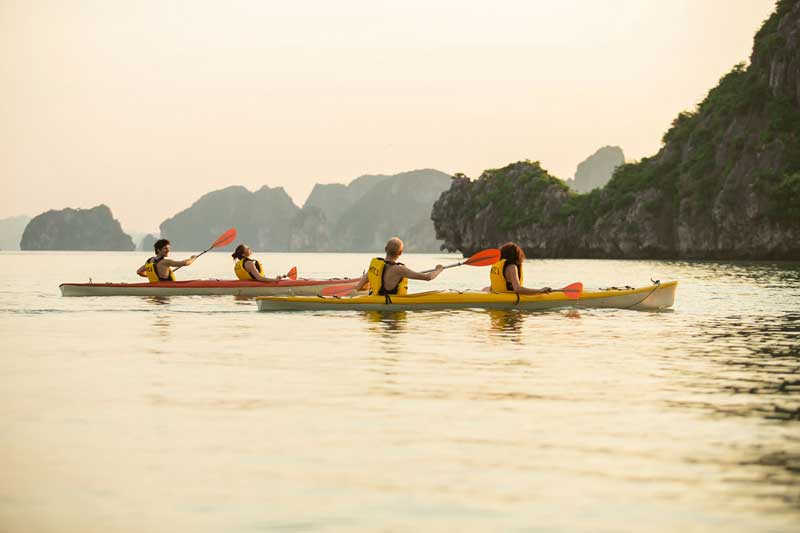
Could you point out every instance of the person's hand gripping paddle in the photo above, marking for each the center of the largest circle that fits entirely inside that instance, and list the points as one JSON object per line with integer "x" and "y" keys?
{"x": 572, "y": 291}
{"x": 292, "y": 274}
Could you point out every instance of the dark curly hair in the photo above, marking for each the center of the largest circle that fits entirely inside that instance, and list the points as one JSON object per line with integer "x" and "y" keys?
{"x": 159, "y": 244}
{"x": 238, "y": 253}
{"x": 512, "y": 253}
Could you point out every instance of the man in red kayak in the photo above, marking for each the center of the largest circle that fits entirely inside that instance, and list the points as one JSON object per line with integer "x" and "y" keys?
{"x": 387, "y": 276}
{"x": 159, "y": 268}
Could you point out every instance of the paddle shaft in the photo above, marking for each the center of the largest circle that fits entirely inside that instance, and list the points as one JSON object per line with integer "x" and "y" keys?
{"x": 444, "y": 267}
{"x": 198, "y": 255}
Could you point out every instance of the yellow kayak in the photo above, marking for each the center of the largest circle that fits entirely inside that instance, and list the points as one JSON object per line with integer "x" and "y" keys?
{"x": 656, "y": 296}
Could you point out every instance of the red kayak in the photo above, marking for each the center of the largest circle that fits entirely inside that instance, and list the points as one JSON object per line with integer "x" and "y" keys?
{"x": 210, "y": 287}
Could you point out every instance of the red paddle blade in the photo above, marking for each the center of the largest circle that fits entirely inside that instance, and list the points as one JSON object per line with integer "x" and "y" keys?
{"x": 338, "y": 290}
{"x": 225, "y": 239}
{"x": 573, "y": 290}
{"x": 292, "y": 274}
{"x": 486, "y": 257}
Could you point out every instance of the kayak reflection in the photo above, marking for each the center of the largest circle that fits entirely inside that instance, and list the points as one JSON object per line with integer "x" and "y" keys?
{"x": 507, "y": 322}
{"x": 386, "y": 322}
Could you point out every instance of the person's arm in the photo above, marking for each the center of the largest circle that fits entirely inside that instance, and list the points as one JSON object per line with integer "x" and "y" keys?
{"x": 362, "y": 283}
{"x": 512, "y": 275}
{"x": 402, "y": 271}
{"x": 171, "y": 263}
{"x": 250, "y": 266}
{"x": 142, "y": 271}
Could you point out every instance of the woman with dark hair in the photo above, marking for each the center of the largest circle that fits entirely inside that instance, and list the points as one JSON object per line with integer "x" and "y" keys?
{"x": 248, "y": 269}
{"x": 506, "y": 275}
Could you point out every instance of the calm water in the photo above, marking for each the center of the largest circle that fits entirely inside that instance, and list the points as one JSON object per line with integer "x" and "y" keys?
{"x": 201, "y": 414}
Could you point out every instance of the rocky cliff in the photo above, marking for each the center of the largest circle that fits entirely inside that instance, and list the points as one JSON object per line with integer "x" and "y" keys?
{"x": 397, "y": 206}
{"x": 595, "y": 171}
{"x": 11, "y": 231}
{"x": 262, "y": 219}
{"x": 334, "y": 199}
{"x": 311, "y": 231}
{"x": 76, "y": 229}
{"x": 725, "y": 184}
{"x": 360, "y": 216}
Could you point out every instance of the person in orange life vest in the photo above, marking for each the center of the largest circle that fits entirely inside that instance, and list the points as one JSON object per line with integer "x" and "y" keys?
{"x": 506, "y": 275}
{"x": 246, "y": 268}
{"x": 159, "y": 268}
{"x": 388, "y": 276}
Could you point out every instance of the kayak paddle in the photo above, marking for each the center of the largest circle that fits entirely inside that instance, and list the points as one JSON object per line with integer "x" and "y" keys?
{"x": 572, "y": 291}
{"x": 292, "y": 274}
{"x": 223, "y": 240}
{"x": 486, "y": 257}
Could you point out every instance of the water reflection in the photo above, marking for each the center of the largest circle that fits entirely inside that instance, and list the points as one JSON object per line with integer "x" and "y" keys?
{"x": 755, "y": 358}
{"x": 157, "y": 300}
{"x": 762, "y": 273}
{"x": 747, "y": 366}
{"x": 386, "y": 323}
{"x": 507, "y": 323}
{"x": 161, "y": 329}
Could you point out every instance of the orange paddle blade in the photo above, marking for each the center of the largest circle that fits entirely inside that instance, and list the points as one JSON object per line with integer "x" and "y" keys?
{"x": 338, "y": 290}
{"x": 225, "y": 239}
{"x": 572, "y": 291}
{"x": 292, "y": 274}
{"x": 486, "y": 257}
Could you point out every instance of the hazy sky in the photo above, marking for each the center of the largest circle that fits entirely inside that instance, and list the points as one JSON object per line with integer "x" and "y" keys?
{"x": 147, "y": 105}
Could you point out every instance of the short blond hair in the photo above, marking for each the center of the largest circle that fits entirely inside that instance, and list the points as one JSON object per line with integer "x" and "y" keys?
{"x": 394, "y": 246}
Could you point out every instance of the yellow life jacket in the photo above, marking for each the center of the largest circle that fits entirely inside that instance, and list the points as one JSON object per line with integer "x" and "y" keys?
{"x": 375, "y": 275}
{"x": 498, "y": 279}
{"x": 152, "y": 272}
{"x": 243, "y": 274}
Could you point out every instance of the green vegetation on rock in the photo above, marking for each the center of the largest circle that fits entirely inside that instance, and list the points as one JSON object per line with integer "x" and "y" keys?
{"x": 724, "y": 185}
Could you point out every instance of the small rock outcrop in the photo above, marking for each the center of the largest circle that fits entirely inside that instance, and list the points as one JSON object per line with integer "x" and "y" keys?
{"x": 11, "y": 231}
{"x": 146, "y": 245}
{"x": 76, "y": 229}
{"x": 595, "y": 171}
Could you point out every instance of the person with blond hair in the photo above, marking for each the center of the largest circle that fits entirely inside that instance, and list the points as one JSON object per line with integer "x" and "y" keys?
{"x": 387, "y": 276}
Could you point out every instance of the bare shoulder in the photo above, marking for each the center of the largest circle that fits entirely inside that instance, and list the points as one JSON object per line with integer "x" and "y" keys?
{"x": 402, "y": 269}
